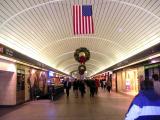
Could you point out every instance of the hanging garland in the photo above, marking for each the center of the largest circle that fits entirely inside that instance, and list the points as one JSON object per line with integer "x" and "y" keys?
{"x": 82, "y": 55}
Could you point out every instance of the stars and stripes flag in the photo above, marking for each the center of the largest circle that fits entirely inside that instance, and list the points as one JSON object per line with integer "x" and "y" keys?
{"x": 82, "y": 19}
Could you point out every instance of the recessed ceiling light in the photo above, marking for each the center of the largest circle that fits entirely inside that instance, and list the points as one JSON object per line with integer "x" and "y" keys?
{"x": 120, "y": 30}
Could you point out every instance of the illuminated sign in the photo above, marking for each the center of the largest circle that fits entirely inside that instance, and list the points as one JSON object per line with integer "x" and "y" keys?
{"x": 51, "y": 74}
{"x": 9, "y": 52}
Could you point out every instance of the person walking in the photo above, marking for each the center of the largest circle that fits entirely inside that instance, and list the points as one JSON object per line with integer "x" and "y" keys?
{"x": 75, "y": 87}
{"x": 67, "y": 86}
{"x": 92, "y": 87}
{"x": 109, "y": 86}
{"x": 82, "y": 88}
{"x": 101, "y": 83}
{"x": 97, "y": 85}
{"x": 146, "y": 105}
{"x": 104, "y": 84}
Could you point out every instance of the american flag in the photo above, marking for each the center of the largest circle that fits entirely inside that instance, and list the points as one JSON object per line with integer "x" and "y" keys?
{"x": 82, "y": 19}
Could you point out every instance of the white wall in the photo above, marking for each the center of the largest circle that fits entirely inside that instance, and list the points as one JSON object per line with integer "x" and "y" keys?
{"x": 7, "y": 83}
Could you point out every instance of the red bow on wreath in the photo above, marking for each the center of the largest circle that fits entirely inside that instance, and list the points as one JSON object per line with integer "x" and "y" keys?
{"x": 82, "y": 59}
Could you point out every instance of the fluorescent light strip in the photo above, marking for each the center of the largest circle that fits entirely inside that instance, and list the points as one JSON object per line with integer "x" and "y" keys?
{"x": 148, "y": 58}
{"x": 17, "y": 61}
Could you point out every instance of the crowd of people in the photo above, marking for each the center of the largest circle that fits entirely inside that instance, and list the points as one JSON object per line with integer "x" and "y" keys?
{"x": 79, "y": 86}
{"x": 145, "y": 105}
{"x": 106, "y": 85}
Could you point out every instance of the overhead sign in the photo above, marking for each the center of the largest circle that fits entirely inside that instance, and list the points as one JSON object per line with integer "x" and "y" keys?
{"x": 9, "y": 52}
{"x": 6, "y": 51}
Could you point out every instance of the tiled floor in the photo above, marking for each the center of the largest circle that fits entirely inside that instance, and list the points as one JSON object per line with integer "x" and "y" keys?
{"x": 105, "y": 106}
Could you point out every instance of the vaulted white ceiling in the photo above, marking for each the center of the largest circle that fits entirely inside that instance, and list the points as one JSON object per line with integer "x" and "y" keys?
{"x": 43, "y": 30}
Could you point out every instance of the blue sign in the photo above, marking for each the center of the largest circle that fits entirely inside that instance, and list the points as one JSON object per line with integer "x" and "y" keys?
{"x": 51, "y": 74}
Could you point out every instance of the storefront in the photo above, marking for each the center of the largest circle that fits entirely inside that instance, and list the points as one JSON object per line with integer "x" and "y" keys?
{"x": 15, "y": 79}
{"x": 37, "y": 83}
{"x": 127, "y": 80}
{"x": 152, "y": 69}
{"x": 55, "y": 85}
{"x": 21, "y": 78}
{"x": 29, "y": 79}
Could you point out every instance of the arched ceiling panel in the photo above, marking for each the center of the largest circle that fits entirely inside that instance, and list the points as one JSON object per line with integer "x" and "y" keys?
{"x": 104, "y": 46}
{"x": 89, "y": 69}
{"x": 43, "y": 29}
{"x": 63, "y": 63}
{"x": 94, "y": 55}
{"x": 76, "y": 64}
{"x": 91, "y": 52}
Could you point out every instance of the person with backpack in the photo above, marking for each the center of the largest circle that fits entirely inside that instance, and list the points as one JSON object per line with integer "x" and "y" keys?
{"x": 146, "y": 105}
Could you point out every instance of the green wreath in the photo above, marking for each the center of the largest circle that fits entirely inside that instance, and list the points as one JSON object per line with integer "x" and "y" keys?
{"x": 84, "y": 51}
{"x": 81, "y": 69}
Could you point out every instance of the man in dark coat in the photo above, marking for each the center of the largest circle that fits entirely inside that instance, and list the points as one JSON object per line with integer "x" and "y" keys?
{"x": 67, "y": 86}
{"x": 82, "y": 88}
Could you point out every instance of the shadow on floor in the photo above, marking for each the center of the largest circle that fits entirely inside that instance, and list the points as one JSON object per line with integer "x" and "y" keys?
{"x": 7, "y": 109}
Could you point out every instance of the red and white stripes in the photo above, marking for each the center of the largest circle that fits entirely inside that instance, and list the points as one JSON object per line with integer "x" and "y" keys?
{"x": 82, "y": 24}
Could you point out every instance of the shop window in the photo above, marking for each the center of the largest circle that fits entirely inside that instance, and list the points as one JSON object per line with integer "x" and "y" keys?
{"x": 150, "y": 70}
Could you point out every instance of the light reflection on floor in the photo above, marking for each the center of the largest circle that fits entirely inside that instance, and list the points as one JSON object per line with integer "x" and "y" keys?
{"x": 104, "y": 106}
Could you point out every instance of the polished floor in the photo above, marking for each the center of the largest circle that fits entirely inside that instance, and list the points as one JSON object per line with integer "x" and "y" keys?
{"x": 104, "y": 106}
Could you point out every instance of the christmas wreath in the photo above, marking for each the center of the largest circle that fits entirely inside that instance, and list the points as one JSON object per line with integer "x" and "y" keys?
{"x": 81, "y": 69}
{"x": 82, "y": 55}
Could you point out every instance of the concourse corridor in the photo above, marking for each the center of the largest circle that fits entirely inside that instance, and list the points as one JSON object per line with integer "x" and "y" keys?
{"x": 46, "y": 45}
{"x": 104, "y": 106}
